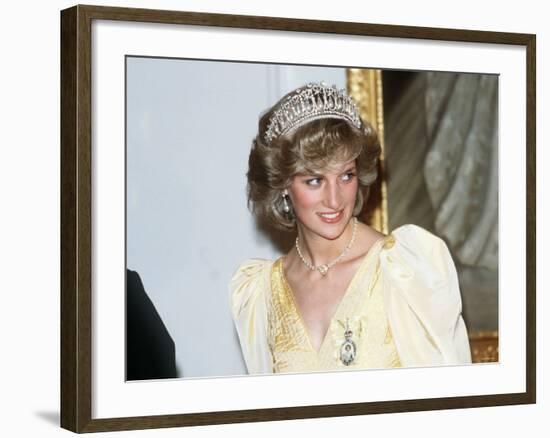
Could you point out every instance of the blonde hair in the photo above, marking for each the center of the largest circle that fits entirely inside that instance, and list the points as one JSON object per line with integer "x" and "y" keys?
{"x": 315, "y": 146}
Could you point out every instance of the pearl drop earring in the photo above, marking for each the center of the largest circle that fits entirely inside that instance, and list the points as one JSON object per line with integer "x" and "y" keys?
{"x": 286, "y": 207}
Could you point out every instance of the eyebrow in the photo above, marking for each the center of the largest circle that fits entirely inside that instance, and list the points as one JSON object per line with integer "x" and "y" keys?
{"x": 307, "y": 173}
{"x": 314, "y": 174}
{"x": 352, "y": 168}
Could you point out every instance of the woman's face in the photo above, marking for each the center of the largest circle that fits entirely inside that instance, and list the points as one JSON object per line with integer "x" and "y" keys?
{"x": 324, "y": 202}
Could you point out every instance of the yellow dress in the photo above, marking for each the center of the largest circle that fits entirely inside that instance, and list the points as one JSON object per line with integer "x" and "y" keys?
{"x": 402, "y": 308}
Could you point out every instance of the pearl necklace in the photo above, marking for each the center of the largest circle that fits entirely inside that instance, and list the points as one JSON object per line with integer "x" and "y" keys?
{"x": 323, "y": 269}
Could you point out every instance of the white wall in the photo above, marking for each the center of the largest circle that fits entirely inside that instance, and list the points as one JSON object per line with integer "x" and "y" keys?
{"x": 29, "y": 219}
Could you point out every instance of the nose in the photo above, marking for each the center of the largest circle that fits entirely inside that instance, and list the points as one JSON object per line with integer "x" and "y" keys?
{"x": 333, "y": 196}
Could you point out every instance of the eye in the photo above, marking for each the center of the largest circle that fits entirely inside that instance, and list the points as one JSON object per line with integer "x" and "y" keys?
{"x": 314, "y": 182}
{"x": 348, "y": 176}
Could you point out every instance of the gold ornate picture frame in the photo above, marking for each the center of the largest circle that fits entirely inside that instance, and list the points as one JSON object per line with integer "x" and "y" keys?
{"x": 80, "y": 366}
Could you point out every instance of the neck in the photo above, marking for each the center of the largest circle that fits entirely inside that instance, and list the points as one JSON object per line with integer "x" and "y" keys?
{"x": 320, "y": 251}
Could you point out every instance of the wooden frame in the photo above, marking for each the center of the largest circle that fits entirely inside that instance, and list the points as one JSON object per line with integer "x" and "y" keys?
{"x": 76, "y": 218}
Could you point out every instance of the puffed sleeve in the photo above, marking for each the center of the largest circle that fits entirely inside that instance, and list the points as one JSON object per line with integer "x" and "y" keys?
{"x": 422, "y": 299}
{"x": 249, "y": 288}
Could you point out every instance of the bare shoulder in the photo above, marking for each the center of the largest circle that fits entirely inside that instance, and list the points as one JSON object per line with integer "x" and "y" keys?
{"x": 370, "y": 235}
{"x": 366, "y": 238}
{"x": 370, "y": 232}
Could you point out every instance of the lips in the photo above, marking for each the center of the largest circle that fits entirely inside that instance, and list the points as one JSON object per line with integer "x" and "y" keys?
{"x": 331, "y": 218}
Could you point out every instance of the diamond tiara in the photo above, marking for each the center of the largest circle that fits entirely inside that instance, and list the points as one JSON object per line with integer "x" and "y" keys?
{"x": 312, "y": 102}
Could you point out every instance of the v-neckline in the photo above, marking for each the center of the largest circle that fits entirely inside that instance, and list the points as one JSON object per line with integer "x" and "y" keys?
{"x": 351, "y": 285}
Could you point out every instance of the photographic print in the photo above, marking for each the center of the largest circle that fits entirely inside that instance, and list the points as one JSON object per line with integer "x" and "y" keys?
{"x": 314, "y": 215}
{"x": 191, "y": 125}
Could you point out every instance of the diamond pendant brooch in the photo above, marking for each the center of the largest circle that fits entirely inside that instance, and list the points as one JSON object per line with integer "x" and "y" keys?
{"x": 348, "y": 349}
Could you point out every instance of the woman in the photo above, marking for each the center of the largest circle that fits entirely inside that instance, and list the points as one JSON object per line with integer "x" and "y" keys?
{"x": 345, "y": 296}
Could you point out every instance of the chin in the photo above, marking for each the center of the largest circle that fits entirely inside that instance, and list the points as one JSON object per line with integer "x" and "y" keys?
{"x": 331, "y": 236}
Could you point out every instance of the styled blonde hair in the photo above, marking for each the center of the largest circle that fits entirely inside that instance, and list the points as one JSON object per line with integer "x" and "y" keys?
{"x": 315, "y": 146}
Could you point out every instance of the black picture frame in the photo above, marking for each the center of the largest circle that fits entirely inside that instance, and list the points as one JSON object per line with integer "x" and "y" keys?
{"x": 76, "y": 217}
